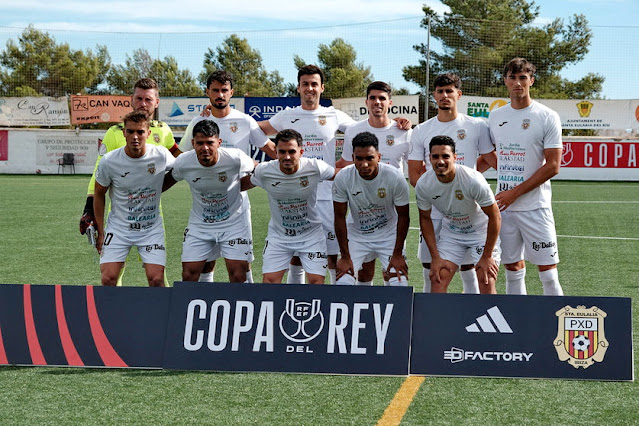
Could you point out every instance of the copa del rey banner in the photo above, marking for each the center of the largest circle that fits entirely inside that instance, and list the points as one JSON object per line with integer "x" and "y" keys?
{"x": 34, "y": 111}
{"x": 575, "y": 114}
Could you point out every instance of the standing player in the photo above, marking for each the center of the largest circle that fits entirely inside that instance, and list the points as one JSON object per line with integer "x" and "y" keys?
{"x": 296, "y": 226}
{"x": 377, "y": 195}
{"x": 471, "y": 220}
{"x": 133, "y": 175}
{"x": 145, "y": 99}
{"x": 217, "y": 223}
{"x": 237, "y": 130}
{"x": 528, "y": 139}
{"x": 317, "y": 125}
{"x": 394, "y": 146}
{"x": 472, "y": 139}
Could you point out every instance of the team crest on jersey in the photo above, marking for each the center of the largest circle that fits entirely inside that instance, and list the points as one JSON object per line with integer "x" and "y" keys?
{"x": 390, "y": 140}
{"x": 461, "y": 134}
{"x": 233, "y": 126}
{"x": 381, "y": 192}
{"x": 151, "y": 168}
{"x": 156, "y": 138}
{"x": 459, "y": 194}
{"x": 222, "y": 176}
{"x": 321, "y": 120}
{"x": 580, "y": 335}
{"x": 525, "y": 124}
{"x": 304, "y": 181}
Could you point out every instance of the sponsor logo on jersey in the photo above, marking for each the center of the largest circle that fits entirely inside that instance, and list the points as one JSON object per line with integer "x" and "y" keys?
{"x": 584, "y": 108}
{"x": 381, "y": 192}
{"x": 390, "y": 140}
{"x": 156, "y": 138}
{"x": 304, "y": 181}
{"x": 459, "y": 194}
{"x": 581, "y": 340}
{"x": 222, "y": 176}
{"x": 321, "y": 120}
{"x": 233, "y": 126}
{"x": 151, "y": 168}
{"x": 461, "y": 134}
{"x": 525, "y": 124}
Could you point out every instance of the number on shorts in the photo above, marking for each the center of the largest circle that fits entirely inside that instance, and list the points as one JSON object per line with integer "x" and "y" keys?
{"x": 107, "y": 238}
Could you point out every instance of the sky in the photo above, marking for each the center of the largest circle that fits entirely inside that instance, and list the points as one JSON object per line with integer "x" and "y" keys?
{"x": 156, "y": 25}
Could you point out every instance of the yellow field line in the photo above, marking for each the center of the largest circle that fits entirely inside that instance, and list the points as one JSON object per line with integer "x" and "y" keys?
{"x": 401, "y": 401}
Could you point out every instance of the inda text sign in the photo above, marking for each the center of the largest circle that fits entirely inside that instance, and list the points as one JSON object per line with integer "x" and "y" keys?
{"x": 289, "y": 328}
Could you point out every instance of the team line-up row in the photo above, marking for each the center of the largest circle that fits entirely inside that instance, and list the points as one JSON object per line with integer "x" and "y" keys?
{"x": 337, "y": 216}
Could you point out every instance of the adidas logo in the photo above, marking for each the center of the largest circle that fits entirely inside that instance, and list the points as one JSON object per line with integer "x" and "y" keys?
{"x": 485, "y": 325}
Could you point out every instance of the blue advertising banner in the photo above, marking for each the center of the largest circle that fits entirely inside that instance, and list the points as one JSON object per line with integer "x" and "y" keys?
{"x": 289, "y": 328}
{"x": 522, "y": 336}
{"x": 82, "y": 326}
{"x": 265, "y": 108}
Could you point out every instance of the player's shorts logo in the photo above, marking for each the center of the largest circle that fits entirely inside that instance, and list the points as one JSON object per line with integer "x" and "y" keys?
{"x": 156, "y": 138}
{"x": 580, "y": 336}
{"x": 390, "y": 140}
{"x": 222, "y": 177}
{"x": 525, "y": 124}
{"x": 381, "y": 192}
{"x": 151, "y": 168}
{"x": 459, "y": 194}
{"x": 461, "y": 134}
{"x": 304, "y": 181}
{"x": 302, "y": 321}
{"x": 321, "y": 120}
{"x": 233, "y": 126}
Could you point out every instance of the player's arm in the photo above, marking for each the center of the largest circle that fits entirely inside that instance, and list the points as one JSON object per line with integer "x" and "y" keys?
{"x": 486, "y": 266}
{"x": 175, "y": 150}
{"x": 428, "y": 233}
{"x": 266, "y": 127}
{"x": 341, "y": 163}
{"x": 169, "y": 181}
{"x": 245, "y": 183}
{"x": 344, "y": 264}
{"x": 403, "y": 123}
{"x": 397, "y": 260}
{"x": 544, "y": 173}
{"x": 486, "y": 161}
{"x": 269, "y": 149}
{"x": 98, "y": 208}
{"x": 416, "y": 169}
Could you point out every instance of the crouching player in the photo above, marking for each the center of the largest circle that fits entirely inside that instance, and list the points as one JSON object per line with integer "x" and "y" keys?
{"x": 133, "y": 175}
{"x": 295, "y": 227}
{"x": 471, "y": 219}
{"x": 218, "y": 221}
{"x": 377, "y": 195}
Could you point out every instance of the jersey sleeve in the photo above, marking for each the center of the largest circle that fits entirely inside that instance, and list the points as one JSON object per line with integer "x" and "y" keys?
{"x": 257, "y": 138}
{"x": 169, "y": 159}
{"x": 256, "y": 177}
{"x": 400, "y": 189}
{"x": 185, "y": 142}
{"x": 482, "y": 194}
{"x": 423, "y": 201}
{"x": 340, "y": 193}
{"x": 417, "y": 151}
{"x": 168, "y": 140}
{"x": 326, "y": 171}
{"x": 484, "y": 141}
{"x": 347, "y": 148}
{"x": 552, "y": 136}
{"x": 344, "y": 120}
{"x": 108, "y": 141}
{"x": 246, "y": 163}
{"x": 102, "y": 175}
{"x": 278, "y": 120}
{"x": 176, "y": 172}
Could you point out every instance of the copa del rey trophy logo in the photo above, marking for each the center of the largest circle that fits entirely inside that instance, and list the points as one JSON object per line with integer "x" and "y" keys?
{"x": 302, "y": 322}
{"x": 581, "y": 340}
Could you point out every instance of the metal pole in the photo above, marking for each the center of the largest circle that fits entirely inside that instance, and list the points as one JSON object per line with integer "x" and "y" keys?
{"x": 427, "y": 86}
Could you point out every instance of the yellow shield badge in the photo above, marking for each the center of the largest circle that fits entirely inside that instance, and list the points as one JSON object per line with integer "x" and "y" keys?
{"x": 580, "y": 336}
{"x": 584, "y": 108}
{"x": 459, "y": 194}
{"x": 321, "y": 120}
{"x": 381, "y": 192}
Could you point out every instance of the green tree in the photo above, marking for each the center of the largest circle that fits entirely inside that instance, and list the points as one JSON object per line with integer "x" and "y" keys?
{"x": 171, "y": 80}
{"x": 236, "y": 56}
{"x": 36, "y": 65}
{"x": 480, "y": 36}
{"x": 344, "y": 77}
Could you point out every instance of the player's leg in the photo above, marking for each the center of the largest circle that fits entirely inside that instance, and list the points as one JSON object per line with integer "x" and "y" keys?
{"x": 153, "y": 253}
{"x": 512, "y": 245}
{"x": 424, "y": 254}
{"x": 542, "y": 250}
{"x": 273, "y": 277}
{"x": 207, "y": 272}
{"x": 295, "y": 271}
{"x": 276, "y": 257}
{"x": 470, "y": 285}
{"x": 196, "y": 253}
{"x": 154, "y": 274}
{"x": 367, "y": 273}
{"x": 359, "y": 255}
{"x": 446, "y": 275}
{"x": 110, "y": 272}
{"x": 191, "y": 270}
{"x": 383, "y": 251}
{"x": 327, "y": 214}
{"x": 115, "y": 250}
{"x": 237, "y": 270}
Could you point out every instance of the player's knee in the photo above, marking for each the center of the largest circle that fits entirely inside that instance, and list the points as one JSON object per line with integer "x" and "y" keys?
{"x": 109, "y": 279}
{"x": 156, "y": 281}
{"x": 208, "y": 267}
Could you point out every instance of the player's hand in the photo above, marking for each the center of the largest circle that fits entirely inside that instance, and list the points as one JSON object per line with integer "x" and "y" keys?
{"x": 206, "y": 111}
{"x": 436, "y": 265}
{"x": 403, "y": 123}
{"x": 99, "y": 241}
{"x": 505, "y": 198}
{"x": 397, "y": 267}
{"x": 344, "y": 266}
{"x": 485, "y": 269}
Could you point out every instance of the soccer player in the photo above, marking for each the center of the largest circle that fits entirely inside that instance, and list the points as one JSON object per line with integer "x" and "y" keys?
{"x": 394, "y": 146}
{"x": 133, "y": 175}
{"x": 377, "y": 195}
{"x": 474, "y": 149}
{"x": 237, "y": 130}
{"x": 217, "y": 223}
{"x": 145, "y": 99}
{"x": 292, "y": 184}
{"x": 528, "y": 139}
{"x": 471, "y": 220}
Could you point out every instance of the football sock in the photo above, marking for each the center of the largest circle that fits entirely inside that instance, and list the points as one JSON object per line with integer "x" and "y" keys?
{"x": 249, "y": 276}
{"x": 550, "y": 281}
{"x": 206, "y": 277}
{"x": 469, "y": 281}
{"x": 295, "y": 274}
{"x": 516, "y": 281}
{"x": 364, "y": 282}
{"x": 426, "y": 272}
{"x": 332, "y": 274}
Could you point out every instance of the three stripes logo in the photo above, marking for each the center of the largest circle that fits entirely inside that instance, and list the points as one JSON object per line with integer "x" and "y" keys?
{"x": 491, "y": 322}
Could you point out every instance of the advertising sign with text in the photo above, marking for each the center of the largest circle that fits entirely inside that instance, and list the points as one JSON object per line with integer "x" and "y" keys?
{"x": 34, "y": 111}
{"x": 180, "y": 111}
{"x": 99, "y": 109}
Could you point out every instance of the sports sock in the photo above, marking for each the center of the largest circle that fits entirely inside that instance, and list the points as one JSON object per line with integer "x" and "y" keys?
{"x": 206, "y": 277}
{"x": 332, "y": 274}
{"x": 249, "y": 276}
{"x": 364, "y": 282}
{"x": 295, "y": 274}
{"x": 426, "y": 272}
{"x": 469, "y": 281}
{"x": 550, "y": 281}
{"x": 516, "y": 281}
{"x": 346, "y": 279}
{"x": 397, "y": 282}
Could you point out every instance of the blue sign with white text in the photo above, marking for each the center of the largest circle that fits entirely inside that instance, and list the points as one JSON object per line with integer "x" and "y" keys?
{"x": 265, "y": 108}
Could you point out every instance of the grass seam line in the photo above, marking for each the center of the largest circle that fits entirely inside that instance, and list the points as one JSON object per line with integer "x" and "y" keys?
{"x": 401, "y": 401}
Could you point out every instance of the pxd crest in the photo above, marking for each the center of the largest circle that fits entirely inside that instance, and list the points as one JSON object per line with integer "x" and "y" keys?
{"x": 581, "y": 340}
